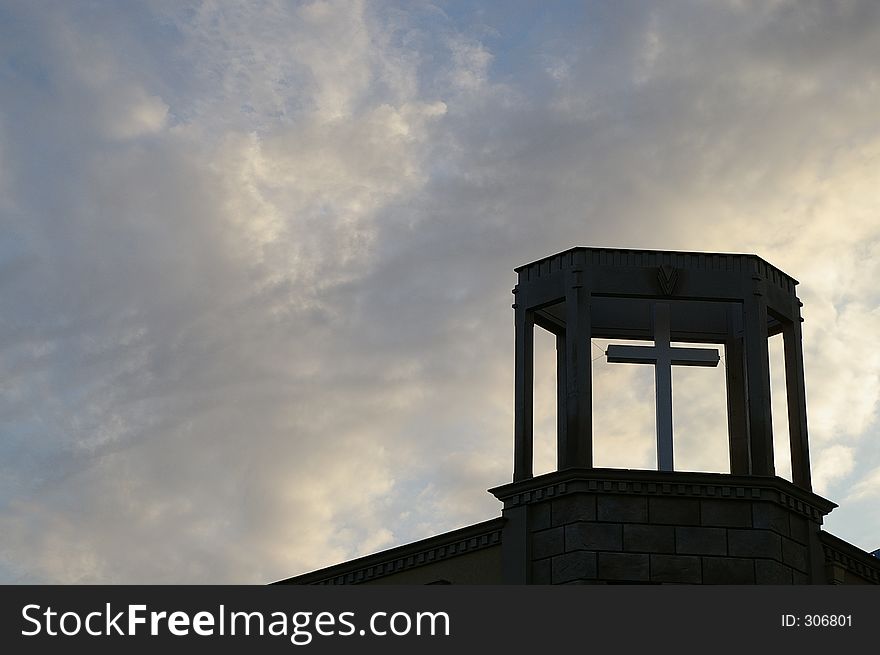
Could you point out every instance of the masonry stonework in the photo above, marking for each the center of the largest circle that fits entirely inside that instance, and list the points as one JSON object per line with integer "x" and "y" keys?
{"x": 616, "y": 526}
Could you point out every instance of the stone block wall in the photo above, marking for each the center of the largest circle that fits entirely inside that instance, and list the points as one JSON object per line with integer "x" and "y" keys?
{"x": 607, "y": 526}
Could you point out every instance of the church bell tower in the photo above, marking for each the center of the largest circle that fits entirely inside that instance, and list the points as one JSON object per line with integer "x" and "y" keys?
{"x": 586, "y": 524}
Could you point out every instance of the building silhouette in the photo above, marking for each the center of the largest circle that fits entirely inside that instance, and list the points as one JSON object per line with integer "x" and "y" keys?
{"x": 582, "y": 524}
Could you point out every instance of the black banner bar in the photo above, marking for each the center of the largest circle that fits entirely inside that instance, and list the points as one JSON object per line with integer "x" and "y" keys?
{"x": 435, "y": 619}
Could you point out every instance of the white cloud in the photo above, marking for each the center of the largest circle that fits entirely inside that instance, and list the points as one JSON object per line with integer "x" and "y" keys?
{"x": 830, "y": 465}
{"x": 867, "y": 488}
{"x": 135, "y": 113}
{"x": 472, "y": 61}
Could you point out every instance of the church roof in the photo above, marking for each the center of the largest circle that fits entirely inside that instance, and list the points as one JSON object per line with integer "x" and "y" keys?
{"x": 677, "y": 258}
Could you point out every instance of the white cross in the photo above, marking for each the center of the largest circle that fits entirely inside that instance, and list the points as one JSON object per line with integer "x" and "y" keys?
{"x": 664, "y": 357}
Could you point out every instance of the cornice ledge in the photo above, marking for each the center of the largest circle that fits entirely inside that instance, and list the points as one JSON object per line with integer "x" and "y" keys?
{"x": 850, "y": 557}
{"x": 409, "y": 556}
{"x": 685, "y": 484}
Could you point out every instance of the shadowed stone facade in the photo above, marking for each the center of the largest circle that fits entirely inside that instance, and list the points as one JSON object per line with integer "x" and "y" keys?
{"x": 584, "y": 525}
{"x": 616, "y": 526}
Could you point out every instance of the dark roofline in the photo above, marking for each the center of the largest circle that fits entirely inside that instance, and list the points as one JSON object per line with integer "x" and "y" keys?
{"x": 850, "y": 556}
{"x": 418, "y": 553}
{"x": 642, "y": 251}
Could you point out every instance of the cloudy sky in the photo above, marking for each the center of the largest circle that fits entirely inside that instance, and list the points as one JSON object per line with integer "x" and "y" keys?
{"x": 256, "y": 259}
